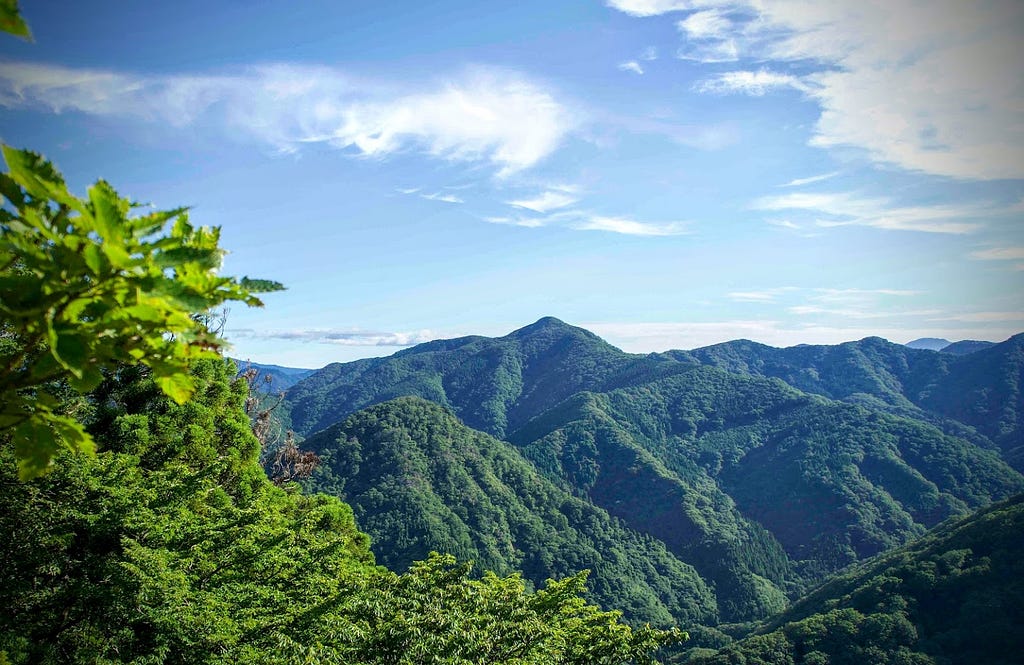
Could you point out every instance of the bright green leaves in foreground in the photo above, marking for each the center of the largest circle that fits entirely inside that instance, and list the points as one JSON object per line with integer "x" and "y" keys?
{"x": 86, "y": 284}
{"x": 11, "y": 21}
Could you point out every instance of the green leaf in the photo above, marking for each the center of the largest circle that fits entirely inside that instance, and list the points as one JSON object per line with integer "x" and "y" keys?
{"x": 35, "y": 446}
{"x": 72, "y": 352}
{"x": 261, "y": 285}
{"x": 207, "y": 259}
{"x": 94, "y": 258}
{"x": 178, "y": 387}
{"x": 11, "y": 21}
{"x": 37, "y": 176}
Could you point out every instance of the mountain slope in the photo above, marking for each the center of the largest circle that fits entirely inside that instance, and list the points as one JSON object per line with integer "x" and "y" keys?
{"x": 419, "y": 480}
{"x": 954, "y": 596}
{"x": 701, "y": 458}
{"x": 493, "y": 385}
{"x": 981, "y": 389}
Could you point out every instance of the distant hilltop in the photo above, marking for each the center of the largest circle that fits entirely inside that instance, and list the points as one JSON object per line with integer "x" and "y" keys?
{"x": 960, "y": 348}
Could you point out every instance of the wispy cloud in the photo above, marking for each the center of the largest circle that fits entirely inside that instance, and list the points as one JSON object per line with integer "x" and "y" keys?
{"x": 999, "y": 254}
{"x": 478, "y": 115}
{"x": 800, "y": 182}
{"x": 891, "y": 76}
{"x": 750, "y": 83}
{"x": 546, "y": 201}
{"x": 579, "y": 220}
{"x": 649, "y": 54}
{"x": 341, "y": 336}
{"x": 649, "y": 7}
{"x": 761, "y": 295}
{"x": 847, "y": 208}
{"x": 441, "y": 196}
{"x": 984, "y": 317}
{"x": 631, "y": 227}
{"x": 631, "y": 66}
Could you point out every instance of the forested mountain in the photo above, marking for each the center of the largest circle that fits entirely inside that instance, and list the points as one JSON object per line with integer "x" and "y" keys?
{"x": 420, "y": 481}
{"x": 493, "y": 385}
{"x": 954, "y": 596}
{"x": 981, "y": 389}
{"x": 764, "y": 469}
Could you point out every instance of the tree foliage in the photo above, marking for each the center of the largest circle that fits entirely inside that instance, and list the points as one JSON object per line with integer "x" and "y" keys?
{"x": 90, "y": 283}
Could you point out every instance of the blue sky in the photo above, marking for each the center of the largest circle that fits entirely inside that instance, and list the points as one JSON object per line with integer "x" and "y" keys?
{"x": 666, "y": 173}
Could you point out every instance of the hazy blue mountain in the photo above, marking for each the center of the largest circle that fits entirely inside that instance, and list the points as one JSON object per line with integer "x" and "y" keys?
{"x": 929, "y": 343}
{"x": 963, "y": 347}
{"x": 281, "y": 378}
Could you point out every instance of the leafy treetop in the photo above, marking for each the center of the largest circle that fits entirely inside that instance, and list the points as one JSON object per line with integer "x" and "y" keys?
{"x": 85, "y": 285}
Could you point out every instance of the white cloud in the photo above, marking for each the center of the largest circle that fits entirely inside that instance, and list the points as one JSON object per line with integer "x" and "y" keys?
{"x": 631, "y": 227}
{"x": 649, "y": 7}
{"x": 750, "y": 83}
{"x": 999, "y": 254}
{"x": 440, "y": 196}
{"x": 753, "y": 296}
{"x": 407, "y": 190}
{"x": 846, "y": 208}
{"x": 928, "y": 86}
{"x": 631, "y": 66}
{"x": 341, "y": 336}
{"x": 485, "y": 115}
{"x": 649, "y": 54}
{"x": 525, "y": 222}
{"x": 800, "y": 182}
{"x": 855, "y": 313}
{"x": 706, "y": 24}
{"x": 546, "y": 201}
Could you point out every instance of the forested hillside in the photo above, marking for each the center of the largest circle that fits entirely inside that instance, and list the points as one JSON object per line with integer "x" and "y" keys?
{"x": 954, "y": 596}
{"x": 420, "y": 481}
{"x": 981, "y": 389}
{"x": 761, "y": 487}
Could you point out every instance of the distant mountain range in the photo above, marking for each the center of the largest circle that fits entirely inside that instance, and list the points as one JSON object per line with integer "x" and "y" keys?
{"x": 960, "y": 348}
{"x": 700, "y": 486}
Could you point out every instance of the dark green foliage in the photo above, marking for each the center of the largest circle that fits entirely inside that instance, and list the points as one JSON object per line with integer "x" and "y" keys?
{"x": 171, "y": 546}
{"x": 954, "y": 596}
{"x": 419, "y": 480}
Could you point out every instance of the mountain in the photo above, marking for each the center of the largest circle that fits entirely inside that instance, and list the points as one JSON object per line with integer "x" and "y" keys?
{"x": 929, "y": 343}
{"x": 764, "y": 469}
{"x": 274, "y": 378}
{"x": 980, "y": 390}
{"x": 953, "y": 596}
{"x": 420, "y": 481}
{"x": 493, "y": 385}
{"x": 963, "y": 347}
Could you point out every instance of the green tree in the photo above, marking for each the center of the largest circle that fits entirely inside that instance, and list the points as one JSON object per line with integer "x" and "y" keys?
{"x": 89, "y": 284}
